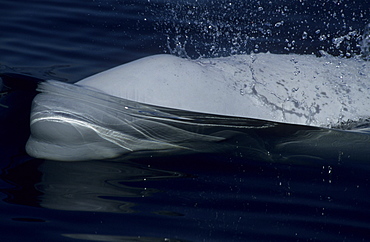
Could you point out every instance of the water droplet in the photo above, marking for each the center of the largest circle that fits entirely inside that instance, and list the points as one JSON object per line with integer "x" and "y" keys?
{"x": 278, "y": 24}
{"x": 322, "y": 37}
{"x": 304, "y": 35}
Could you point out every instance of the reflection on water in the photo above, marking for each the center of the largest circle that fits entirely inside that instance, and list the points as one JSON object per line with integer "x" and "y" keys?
{"x": 221, "y": 197}
{"x": 98, "y": 186}
{"x": 111, "y": 238}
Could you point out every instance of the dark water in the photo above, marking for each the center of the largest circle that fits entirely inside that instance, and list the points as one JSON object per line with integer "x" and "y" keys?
{"x": 202, "y": 197}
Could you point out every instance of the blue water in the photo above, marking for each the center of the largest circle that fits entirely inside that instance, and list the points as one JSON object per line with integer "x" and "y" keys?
{"x": 205, "y": 197}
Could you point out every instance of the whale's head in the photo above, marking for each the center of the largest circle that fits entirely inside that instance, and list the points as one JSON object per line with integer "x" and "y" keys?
{"x": 61, "y": 130}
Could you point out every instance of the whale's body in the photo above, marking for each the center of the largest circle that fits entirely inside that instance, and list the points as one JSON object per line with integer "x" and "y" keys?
{"x": 166, "y": 103}
{"x": 293, "y": 89}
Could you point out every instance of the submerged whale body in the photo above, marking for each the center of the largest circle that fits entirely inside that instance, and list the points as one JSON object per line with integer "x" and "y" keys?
{"x": 166, "y": 103}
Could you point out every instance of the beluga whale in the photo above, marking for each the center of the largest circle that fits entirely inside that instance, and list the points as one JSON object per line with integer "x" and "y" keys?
{"x": 167, "y": 104}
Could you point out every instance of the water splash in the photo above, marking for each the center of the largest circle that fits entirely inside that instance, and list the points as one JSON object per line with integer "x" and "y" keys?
{"x": 365, "y": 44}
{"x": 222, "y": 28}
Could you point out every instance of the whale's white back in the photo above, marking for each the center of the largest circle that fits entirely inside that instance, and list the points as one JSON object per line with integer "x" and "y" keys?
{"x": 294, "y": 89}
